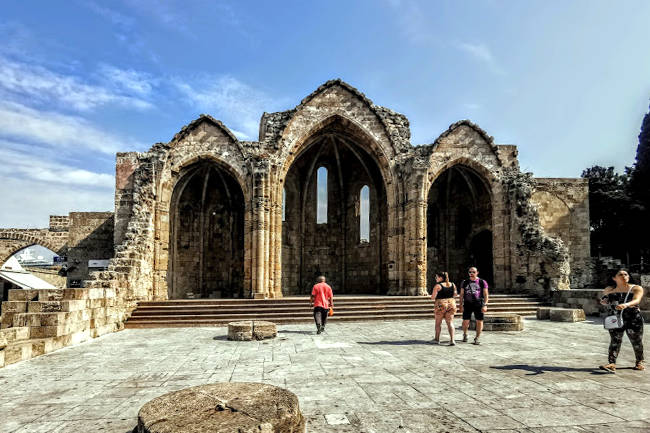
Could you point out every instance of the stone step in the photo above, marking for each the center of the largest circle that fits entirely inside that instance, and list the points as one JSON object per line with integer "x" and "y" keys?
{"x": 16, "y": 334}
{"x": 283, "y": 320}
{"x": 199, "y": 310}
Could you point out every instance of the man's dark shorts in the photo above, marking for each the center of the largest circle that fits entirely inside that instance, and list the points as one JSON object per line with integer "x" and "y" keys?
{"x": 472, "y": 307}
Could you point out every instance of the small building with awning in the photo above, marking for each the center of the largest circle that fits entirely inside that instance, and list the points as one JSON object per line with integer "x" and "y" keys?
{"x": 14, "y": 276}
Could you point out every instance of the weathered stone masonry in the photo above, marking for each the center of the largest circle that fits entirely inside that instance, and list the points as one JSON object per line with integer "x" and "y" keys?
{"x": 202, "y": 215}
{"x": 168, "y": 200}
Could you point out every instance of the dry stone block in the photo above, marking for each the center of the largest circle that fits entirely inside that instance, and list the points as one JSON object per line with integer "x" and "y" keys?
{"x": 3, "y": 341}
{"x": 14, "y": 307}
{"x": 2, "y": 358}
{"x": 240, "y": 331}
{"x": 224, "y": 408}
{"x": 263, "y": 330}
{"x": 543, "y": 313}
{"x": 567, "y": 314}
{"x": 501, "y": 322}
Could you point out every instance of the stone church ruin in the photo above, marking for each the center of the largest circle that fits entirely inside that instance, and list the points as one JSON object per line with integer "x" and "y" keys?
{"x": 333, "y": 186}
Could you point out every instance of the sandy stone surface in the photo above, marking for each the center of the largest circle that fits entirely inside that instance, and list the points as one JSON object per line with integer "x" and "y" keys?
{"x": 229, "y": 407}
{"x": 373, "y": 377}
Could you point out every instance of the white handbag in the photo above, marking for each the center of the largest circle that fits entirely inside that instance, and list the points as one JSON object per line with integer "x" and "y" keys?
{"x": 615, "y": 321}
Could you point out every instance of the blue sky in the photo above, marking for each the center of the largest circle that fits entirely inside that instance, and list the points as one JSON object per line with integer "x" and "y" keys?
{"x": 568, "y": 82}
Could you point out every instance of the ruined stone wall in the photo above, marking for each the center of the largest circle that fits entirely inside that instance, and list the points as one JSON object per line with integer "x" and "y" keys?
{"x": 90, "y": 238}
{"x": 563, "y": 208}
{"x": 54, "y": 238}
{"x": 540, "y": 263}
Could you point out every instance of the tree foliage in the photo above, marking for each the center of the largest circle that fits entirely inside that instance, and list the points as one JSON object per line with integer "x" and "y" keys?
{"x": 619, "y": 205}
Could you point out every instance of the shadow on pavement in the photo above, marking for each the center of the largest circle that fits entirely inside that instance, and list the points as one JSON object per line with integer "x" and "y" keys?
{"x": 221, "y": 337}
{"x": 287, "y": 331}
{"x": 541, "y": 369}
{"x": 397, "y": 342}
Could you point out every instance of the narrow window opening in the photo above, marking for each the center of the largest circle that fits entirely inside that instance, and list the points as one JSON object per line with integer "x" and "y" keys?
{"x": 321, "y": 200}
{"x": 364, "y": 214}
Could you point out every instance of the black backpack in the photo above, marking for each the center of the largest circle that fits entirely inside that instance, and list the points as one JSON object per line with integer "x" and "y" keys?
{"x": 471, "y": 296}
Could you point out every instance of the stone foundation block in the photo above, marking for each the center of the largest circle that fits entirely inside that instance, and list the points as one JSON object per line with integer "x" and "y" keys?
{"x": 18, "y": 352}
{"x": 240, "y": 331}
{"x": 23, "y": 295}
{"x": 44, "y": 306}
{"x": 15, "y": 334}
{"x": 75, "y": 294}
{"x": 2, "y": 358}
{"x": 3, "y": 341}
{"x": 263, "y": 330}
{"x": 224, "y": 408}
{"x": 543, "y": 313}
{"x": 14, "y": 307}
{"x": 51, "y": 295}
{"x": 501, "y": 322}
{"x": 567, "y": 314}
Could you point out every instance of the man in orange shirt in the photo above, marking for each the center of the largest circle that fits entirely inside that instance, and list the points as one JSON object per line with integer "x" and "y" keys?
{"x": 321, "y": 299}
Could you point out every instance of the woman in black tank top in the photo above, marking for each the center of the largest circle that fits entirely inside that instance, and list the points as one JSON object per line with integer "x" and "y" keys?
{"x": 443, "y": 294}
{"x": 624, "y": 298}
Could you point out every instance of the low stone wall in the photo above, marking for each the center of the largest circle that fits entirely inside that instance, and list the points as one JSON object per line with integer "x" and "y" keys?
{"x": 589, "y": 300}
{"x": 51, "y": 319}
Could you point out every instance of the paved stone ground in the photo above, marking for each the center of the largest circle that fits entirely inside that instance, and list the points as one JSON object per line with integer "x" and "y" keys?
{"x": 357, "y": 377}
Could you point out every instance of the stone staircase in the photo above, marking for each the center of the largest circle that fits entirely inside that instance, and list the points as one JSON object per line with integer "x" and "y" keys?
{"x": 218, "y": 312}
{"x": 35, "y": 322}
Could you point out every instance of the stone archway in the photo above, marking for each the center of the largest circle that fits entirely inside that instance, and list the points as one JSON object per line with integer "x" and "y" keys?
{"x": 459, "y": 217}
{"x": 353, "y": 261}
{"x": 206, "y": 241}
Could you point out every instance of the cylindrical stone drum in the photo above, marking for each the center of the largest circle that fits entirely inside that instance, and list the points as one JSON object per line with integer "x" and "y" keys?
{"x": 223, "y": 408}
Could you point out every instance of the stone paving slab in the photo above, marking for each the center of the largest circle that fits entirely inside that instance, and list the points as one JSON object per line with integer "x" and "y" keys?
{"x": 357, "y": 377}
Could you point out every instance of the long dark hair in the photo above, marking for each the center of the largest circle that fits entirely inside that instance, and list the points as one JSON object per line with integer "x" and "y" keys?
{"x": 444, "y": 275}
{"x": 612, "y": 281}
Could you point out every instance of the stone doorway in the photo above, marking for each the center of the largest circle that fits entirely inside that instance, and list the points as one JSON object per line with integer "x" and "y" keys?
{"x": 207, "y": 235}
{"x": 459, "y": 225}
{"x": 335, "y": 217}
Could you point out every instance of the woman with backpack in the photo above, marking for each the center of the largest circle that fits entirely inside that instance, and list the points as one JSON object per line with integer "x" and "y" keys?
{"x": 623, "y": 299}
{"x": 443, "y": 295}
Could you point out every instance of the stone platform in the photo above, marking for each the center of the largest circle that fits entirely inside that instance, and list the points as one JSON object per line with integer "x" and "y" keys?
{"x": 380, "y": 377}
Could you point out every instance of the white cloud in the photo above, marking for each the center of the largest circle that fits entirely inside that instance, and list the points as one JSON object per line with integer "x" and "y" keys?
{"x": 128, "y": 80}
{"x": 482, "y": 53}
{"x": 57, "y": 130}
{"x": 24, "y": 165}
{"x": 229, "y": 99}
{"x": 28, "y": 203}
{"x": 27, "y": 82}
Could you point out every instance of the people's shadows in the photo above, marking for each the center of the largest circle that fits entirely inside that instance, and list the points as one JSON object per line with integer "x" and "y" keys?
{"x": 288, "y": 331}
{"x": 396, "y": 342}
{"x": 220, "y": 337}
{"x": 541, "y": 369}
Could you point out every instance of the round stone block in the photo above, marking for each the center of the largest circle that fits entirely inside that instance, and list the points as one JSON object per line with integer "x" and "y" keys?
{"x": 224, "y": 408}
{"x": 263, "y": 330}
{"x": 240, "y": 331}
{"x": 501, "y": 322}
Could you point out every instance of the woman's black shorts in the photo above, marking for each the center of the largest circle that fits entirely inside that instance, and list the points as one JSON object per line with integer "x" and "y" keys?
{"x": 473, "y": 307}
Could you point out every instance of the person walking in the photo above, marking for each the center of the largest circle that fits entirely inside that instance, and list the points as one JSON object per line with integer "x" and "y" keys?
{"x": 322, "y": 300}
{"x": 474, "y": 298}
{"x": 623, "y": 298}
{"x": 443, "y": 295}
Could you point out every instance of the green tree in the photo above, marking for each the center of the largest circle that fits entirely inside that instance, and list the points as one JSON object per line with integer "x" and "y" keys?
{"x": 609, "y": 207}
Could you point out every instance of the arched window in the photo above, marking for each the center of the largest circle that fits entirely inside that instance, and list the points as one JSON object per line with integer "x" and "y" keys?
{"x": 284, "y": 204}
{"x": 321, "y": 199}
{"x": 364, "y": 214}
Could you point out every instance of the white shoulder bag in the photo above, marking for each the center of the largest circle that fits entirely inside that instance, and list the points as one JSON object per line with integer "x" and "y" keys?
{"x": 615, "y": 321}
